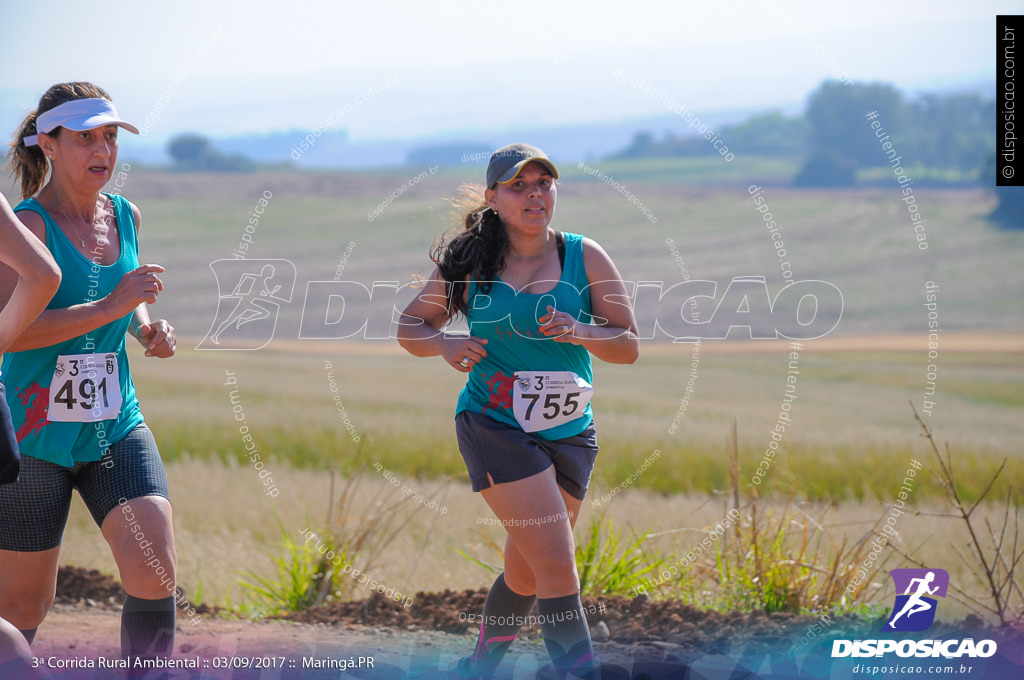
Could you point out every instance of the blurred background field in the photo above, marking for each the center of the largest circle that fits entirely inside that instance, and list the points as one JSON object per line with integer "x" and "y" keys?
{"x": 860, "y": 240}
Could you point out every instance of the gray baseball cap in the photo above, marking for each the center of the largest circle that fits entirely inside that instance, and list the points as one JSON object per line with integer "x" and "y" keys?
{"x": 507, "y": 161}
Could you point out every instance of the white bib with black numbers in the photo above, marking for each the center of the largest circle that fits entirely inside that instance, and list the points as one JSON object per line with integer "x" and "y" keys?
{"x": 546, "y": 399}
{"x": 86, "y": 388}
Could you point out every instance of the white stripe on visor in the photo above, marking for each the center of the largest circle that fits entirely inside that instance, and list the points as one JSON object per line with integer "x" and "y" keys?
{"x": 79, "y": 114}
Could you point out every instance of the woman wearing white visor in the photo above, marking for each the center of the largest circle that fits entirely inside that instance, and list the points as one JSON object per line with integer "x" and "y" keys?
{"x": 69, "y": 386}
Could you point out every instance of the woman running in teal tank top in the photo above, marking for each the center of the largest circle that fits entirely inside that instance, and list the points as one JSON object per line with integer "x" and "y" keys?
{"x": 539, "y": 304}
{"x": 69, "y": 385}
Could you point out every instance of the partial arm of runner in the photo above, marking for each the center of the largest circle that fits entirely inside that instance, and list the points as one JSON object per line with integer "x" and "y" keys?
{"x": 29, "y": 280}
{"x": 420, "y": 329}
{"x": 614, "y": 337}
{"x": 57, "y": 325}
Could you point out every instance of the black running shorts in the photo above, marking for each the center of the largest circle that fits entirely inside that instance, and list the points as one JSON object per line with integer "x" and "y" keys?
{"x": 34, "y": 511}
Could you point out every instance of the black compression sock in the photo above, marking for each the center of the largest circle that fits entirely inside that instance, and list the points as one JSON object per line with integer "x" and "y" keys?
{"x": 504, "y": 611}
{"x": 566, "y": 634}
{"x": 30, "y": 633}
{"x": 147, "y": 628}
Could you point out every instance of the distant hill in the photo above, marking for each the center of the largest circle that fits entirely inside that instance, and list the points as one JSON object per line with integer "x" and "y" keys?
{"x": 565, "y": 144}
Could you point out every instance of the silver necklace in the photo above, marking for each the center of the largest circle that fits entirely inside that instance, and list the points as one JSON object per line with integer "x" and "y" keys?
{"x": 71, "y": 224}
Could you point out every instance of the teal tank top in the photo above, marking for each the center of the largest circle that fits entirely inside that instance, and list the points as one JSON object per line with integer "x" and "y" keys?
{"x": 508, "y": 320}
{"x": 27, "y": 375}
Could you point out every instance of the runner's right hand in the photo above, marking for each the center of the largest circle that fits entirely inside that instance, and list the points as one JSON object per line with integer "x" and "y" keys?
{"x": 137, "y": 286}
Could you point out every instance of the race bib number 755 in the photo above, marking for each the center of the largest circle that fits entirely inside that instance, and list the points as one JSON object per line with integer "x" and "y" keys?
{"x": 545, "y": 399}
{"x": 86, "y": 388}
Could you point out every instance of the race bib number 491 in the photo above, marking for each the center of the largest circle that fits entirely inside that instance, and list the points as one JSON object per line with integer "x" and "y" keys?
{"x": 546, "y": 399}
{"x": 86, "y": 388}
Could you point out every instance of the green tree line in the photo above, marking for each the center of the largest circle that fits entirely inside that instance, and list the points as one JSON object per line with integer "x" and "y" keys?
{"x": 943, "y": 132}
{"x": 834, "y": 138}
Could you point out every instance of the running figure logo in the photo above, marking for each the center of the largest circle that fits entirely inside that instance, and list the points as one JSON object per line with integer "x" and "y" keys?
{"x": 499, "y": 386}
{"x": 914, "y": 610}
{"x": 34, "y": 398}
{"x": 258, "y": 289}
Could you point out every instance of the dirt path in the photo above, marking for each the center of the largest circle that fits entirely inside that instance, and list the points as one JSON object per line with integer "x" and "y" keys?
{"x": 88, "y": 633}
{"x": 648, "y": 639}
{"x": 78, "y": 634}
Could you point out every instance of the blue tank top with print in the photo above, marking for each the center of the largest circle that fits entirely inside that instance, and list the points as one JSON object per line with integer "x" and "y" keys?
{"x": 27, "y": 375}
{"x": 508, "y": 320}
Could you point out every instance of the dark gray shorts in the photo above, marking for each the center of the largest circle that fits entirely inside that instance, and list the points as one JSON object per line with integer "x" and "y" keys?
{"x": 509, "y": 454}
{"x": 34, "y": 510}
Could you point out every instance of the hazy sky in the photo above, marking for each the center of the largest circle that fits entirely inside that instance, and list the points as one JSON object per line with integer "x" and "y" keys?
{"x": 227, "y": 68}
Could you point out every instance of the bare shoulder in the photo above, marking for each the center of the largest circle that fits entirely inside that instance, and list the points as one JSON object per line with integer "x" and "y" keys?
{"x": 35, "y": 223}
{"x": 598, "y": 262}
{"x": 136, "y": 214}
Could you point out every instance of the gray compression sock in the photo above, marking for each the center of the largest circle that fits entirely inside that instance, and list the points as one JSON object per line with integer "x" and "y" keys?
{"x": 504, "y": 611}
{"x": 147, "y": 628}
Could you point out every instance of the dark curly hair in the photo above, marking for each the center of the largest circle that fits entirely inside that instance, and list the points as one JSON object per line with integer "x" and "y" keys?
{"x": 477, "y": 249}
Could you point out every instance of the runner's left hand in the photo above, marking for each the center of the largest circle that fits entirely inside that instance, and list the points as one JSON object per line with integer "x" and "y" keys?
{"x": 158, "y": 338}
{"x": 561, "y": 327}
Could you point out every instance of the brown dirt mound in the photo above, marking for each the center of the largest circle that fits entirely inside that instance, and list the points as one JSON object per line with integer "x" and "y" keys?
{"x": 672, "y": 628}
{"x": 89, "y": 586}
{"x": 93, "y": 588}
{"x": 429, "y": 611}
{"x": 628, "y": 620}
